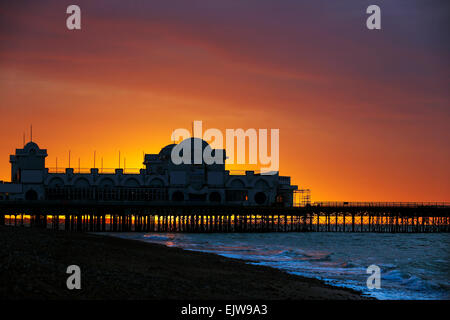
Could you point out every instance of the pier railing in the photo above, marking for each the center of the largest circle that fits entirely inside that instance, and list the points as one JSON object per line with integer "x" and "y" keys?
{"x": 77, "y": 170}
{"x": 343, "y": 204}
{"x": 136, "y": 170}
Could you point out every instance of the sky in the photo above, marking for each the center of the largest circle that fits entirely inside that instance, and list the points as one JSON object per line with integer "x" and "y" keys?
{"x": 363, "y": 114}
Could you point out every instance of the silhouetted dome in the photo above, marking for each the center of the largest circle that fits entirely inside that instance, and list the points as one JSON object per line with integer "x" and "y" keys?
{"x": 30, "y": 146}
{"x": 194, "y": 143}
{"x": 167, "y": 150}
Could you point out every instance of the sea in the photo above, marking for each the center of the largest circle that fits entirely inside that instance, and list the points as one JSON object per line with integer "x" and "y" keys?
{"x": 412, "y": 266}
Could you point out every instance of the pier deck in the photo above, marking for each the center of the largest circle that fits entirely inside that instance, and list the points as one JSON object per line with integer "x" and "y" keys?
{"x": 178, "y": 217}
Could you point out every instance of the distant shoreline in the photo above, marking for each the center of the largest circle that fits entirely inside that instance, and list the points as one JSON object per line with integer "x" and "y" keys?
{"x": 35, "y": 261}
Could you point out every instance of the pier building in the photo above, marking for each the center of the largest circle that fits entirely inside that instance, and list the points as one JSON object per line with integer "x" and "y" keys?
{"x": 159, "y": 181}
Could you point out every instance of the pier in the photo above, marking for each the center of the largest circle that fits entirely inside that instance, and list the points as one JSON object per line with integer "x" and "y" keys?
{"x": 142, "y": 216}
{"x": 168, "y": 197}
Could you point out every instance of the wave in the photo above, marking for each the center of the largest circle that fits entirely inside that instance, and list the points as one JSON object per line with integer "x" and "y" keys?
{"x": 338, "y": 259}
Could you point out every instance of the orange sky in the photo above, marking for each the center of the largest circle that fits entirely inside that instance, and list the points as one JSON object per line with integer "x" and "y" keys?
{"x": 363, "y": 115}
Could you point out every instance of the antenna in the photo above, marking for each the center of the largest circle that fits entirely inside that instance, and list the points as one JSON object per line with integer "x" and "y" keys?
{"x": 31, "y": 133}
{"x": 119, "y": 159}
{"x": 69, "y": 159}
{"x": 24, "y": 139}
{"x": 94, "y": 158}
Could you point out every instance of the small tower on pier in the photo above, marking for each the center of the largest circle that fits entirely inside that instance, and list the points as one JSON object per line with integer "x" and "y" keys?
{"x": 28, "y": 167}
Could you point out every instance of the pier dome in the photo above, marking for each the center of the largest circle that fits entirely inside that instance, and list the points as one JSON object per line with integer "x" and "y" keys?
{"x": 31, "y": 147}
{"x": 165, "y": 152}
{"x": 194, "y": 144}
